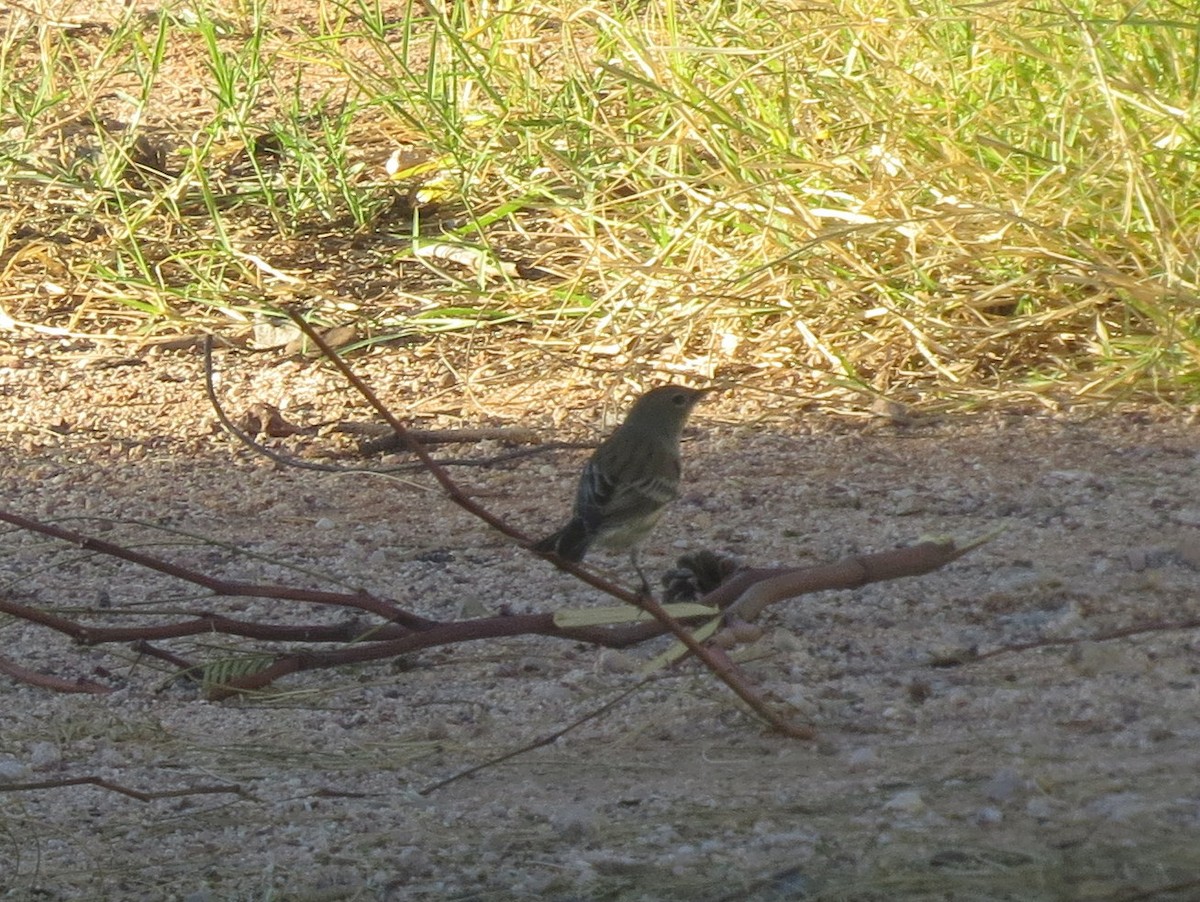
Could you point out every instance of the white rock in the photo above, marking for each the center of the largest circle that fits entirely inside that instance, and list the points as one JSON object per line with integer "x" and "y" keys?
{"x": 1118, "y": 806}
{"x": 907, "y": 802}
{"x": 988, "y": 815}
{"x": 1040, "y": 808}
{"x": 12, "y": 770}
{"x": 43, "y": 755}
{"x": 1002, "y": 786}
{"x": 862, "y": 758}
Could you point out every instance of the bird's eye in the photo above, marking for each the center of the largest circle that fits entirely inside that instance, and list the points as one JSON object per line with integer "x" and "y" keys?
{"x": 679, "y": 400}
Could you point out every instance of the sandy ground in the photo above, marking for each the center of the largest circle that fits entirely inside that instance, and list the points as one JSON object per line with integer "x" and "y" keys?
{"x": 1063, "y": 772}
{"x": 1069, "y": 771}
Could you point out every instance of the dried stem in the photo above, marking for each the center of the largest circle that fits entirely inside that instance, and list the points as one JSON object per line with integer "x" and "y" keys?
{"x": 722, "y": 667}
{"x": 406, "y": 632}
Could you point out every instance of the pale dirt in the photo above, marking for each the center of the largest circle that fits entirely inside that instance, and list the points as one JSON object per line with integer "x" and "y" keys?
{"x": 1067, "y": 772}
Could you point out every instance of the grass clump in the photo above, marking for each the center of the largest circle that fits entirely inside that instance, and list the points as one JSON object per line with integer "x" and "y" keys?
{"x": 921, "y": 199}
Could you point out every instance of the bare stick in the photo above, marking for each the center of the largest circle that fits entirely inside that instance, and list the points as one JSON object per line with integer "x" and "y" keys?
{"x": 360, "y": 600}
{"x": 391, "y": 441}
{"x": 58, "y": 684}
{"x": 237, "y": 432}
{"x": 1124, "y": 632}
{"x": 750, "y": 592}
{"x": 125, "y": 790}
{"x": 725, "y": 670}
{"x": 413, "y": 634}
{"x": 536, "y": 744}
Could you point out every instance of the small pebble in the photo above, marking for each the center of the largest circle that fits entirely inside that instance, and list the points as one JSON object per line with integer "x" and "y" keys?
{"x": 988, "y": 815}
{"x": 12, "y": 770}
{"x": 1002, "y": 786}
{"x": 907, "y": 802}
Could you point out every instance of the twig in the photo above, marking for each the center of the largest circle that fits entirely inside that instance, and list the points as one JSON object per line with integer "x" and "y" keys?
{"x": 237, "y": 432}
{"x": 359, "y": 600}
{"x": 378, "y": 444}
{"x": 537, "y": 743}
{"x": 391, "y": 441}
{"x": 1124, "y": 632}
{"x": 138, "y": 794}
{"x": 142, "y": 647}
{"x": 750, "y": 592}
{"x": 494, "y": 459}
{"x": 406, "y": 437}
{"x": 725, "y": 670}
{"x": 58, "y": 684}
{"x": 406, "y": 633}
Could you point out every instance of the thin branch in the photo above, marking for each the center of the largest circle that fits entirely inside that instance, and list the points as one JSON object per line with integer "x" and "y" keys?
{"x": 724, "y": 669}
{"x": 138, "y": 794}
{"x": 384, "y": 443}
{"x": 1124, "y": 632}
{"x": 750, "y": 592}
{"x": 143, "y": 647}
{"x": 347, "y": 631}
{"x": 391, "y": 441}
{"x": 360, "y": 600}
{"x": 58, "y": 684}
{"x": 493, "y": 460}
{"x": 537, "y": 743}
{"x": 406, "y": 437}
{"x": 410, "y": 633}
{"x": 240, "y": 434}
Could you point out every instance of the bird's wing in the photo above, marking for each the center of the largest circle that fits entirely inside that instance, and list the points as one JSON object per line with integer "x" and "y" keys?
{"x": 612, "y": 490}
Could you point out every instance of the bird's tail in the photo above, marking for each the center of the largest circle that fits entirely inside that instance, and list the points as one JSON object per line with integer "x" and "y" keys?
{"x": 570, "y": 543}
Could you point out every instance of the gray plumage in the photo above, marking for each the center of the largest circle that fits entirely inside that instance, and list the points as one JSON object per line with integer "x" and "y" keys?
{"x": 630, "y": 479}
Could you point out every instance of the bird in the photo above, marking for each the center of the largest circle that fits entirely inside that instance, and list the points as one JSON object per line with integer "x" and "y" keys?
{"x": 629, "y": 480}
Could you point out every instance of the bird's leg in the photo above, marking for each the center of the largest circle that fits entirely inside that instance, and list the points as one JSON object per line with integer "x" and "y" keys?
{"x": 644, "y": 591}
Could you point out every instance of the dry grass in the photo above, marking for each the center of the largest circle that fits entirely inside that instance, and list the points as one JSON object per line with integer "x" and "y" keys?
{"x": 939, "y": 203}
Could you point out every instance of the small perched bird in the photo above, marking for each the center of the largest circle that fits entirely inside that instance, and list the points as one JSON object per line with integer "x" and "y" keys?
{"x": 629, "y": 480}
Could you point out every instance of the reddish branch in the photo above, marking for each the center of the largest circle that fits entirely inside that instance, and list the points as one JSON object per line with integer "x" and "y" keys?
{"x": 720, "y": 666}
{"x": 400, "y": 631}
{"x": 403, "y": 632}
{"x": 745, "y": 596}
{"x": 361, "y": 600}
{"x": 750, "y": 592}
{"x": 58, "y": 684}
{"x": 228, "y": 789}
